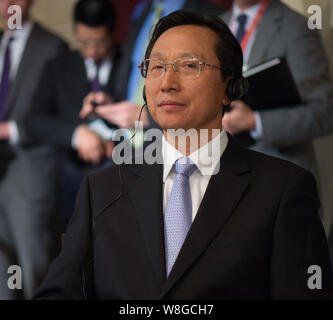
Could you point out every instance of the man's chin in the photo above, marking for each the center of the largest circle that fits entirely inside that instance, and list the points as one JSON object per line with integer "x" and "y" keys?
{"x": 173, "y": 127}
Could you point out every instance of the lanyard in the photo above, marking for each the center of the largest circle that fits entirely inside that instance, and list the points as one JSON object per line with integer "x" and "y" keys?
{"x": 254, "y": 24}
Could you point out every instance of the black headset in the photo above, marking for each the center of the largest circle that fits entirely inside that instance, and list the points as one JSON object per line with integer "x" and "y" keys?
{"x": 144, "y": 95}
{"x": 237, "y": 87}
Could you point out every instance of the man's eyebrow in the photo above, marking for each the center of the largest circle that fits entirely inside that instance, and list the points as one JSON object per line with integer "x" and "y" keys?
{"x": 156, "y": 55}
{"x": 191, "y": 55}
{"x": 181, "y": 55}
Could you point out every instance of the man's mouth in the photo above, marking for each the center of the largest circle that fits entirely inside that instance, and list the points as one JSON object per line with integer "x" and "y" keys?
{"x": 171, "y": 104}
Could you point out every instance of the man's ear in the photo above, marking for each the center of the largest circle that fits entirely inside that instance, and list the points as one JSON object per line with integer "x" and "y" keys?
{"x": 225, "y": 104}
{"x": 225, "y": 101}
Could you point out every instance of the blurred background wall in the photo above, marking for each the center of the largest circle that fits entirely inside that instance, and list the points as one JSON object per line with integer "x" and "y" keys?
{"x": 57, "y": 16}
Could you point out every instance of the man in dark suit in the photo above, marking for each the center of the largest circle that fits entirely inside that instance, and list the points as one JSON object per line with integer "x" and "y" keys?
{"x": 27, "y": 237}
{"x": 66, "y": 80}
{"x": 286, "y": 133}
{"x": 240, "y": 226}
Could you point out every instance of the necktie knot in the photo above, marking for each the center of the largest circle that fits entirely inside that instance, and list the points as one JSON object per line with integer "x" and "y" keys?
{"x": 242, "y": 19}
{"x": 95, "y": 84}
{"x": 185, "y": 166}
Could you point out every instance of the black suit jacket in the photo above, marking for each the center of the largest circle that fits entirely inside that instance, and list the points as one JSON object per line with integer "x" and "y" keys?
{"x": 255, "y": 235}
{"x": 57, "y": 104}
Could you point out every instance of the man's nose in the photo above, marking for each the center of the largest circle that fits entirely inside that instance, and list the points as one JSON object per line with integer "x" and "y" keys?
{"x": 170, "y": 78}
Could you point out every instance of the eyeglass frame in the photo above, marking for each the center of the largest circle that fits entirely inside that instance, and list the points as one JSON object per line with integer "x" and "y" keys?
{"x": 201, "y": 63}
{"x": 89, "y": 43}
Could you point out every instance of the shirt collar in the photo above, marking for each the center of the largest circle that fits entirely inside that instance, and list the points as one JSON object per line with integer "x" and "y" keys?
{"x": 250, "y": 12}
{"x": 92, "y": 69}
{"x": 91, "y": 63}
{"x": 20, "y": 33}
{"x": 206, "y": 158}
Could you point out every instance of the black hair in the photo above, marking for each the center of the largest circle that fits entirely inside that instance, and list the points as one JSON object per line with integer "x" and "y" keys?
{"x": 227, "y": 50}
{"x": 95, "y": 13}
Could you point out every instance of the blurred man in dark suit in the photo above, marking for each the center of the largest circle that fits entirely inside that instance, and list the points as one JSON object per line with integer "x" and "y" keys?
{"x": 284, "y": 132}
{"x": 26, "y": 202}
{"x": 66, "y": 80}
{"x": 269, "y": 29}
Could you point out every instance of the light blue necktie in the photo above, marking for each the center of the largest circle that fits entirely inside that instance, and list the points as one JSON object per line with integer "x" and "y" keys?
{"x": 178, "y": 212}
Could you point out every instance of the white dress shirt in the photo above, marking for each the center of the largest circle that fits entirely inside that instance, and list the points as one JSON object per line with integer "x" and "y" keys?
{"x": 104, "y": 70}
{"x": 251, "y": 14}
{"x": 20, "y": 38}
{"x": 206, "y": 167}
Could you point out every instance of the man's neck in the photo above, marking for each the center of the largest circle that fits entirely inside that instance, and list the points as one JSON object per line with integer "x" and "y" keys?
{"x": 246, "y": 4}
{"x": 191, "y": 140}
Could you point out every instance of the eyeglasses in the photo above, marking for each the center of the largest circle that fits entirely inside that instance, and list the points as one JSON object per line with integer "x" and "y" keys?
{"x": 186, "y": 67}
{"x": 99, "y": 44}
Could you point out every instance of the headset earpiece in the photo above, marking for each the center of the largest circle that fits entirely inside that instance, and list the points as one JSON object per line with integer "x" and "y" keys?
{"x": 144, "y": 106}
{"x": 237, "y": 88}
{"x": 144, "y": 94}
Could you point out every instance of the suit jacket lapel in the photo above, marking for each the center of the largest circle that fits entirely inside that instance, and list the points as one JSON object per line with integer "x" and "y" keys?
{"x": 77, "y": 75}
{"x": 266, "y": 29}
{"x": 223, "y": 193}
{"x": 24, "y": 70}
{"x": 146, "y": 193}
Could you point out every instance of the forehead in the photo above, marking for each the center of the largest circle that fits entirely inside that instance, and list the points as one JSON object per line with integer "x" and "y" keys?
{"x": 186, "y": 40}
{"x": 85, "y": 31}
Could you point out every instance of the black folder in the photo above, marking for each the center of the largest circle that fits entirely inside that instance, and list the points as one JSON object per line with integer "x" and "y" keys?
{"x": 271, "y": 85}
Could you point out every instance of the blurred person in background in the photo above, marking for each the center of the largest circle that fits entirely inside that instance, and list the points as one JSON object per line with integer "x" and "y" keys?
{"x": 27, "y": 230}
{"x": 267, "y": 29}
{"x": 85, "y": 144}
{"x": 125, "y": 9}
{"x": 284, "y": 132}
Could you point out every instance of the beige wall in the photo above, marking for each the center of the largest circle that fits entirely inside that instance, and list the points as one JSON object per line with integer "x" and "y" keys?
{"x": 57, "y": 15}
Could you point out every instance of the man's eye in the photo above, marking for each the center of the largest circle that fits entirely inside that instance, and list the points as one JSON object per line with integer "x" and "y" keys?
{"x": 189, "y": 65}
{"x": 157, "y": 67}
